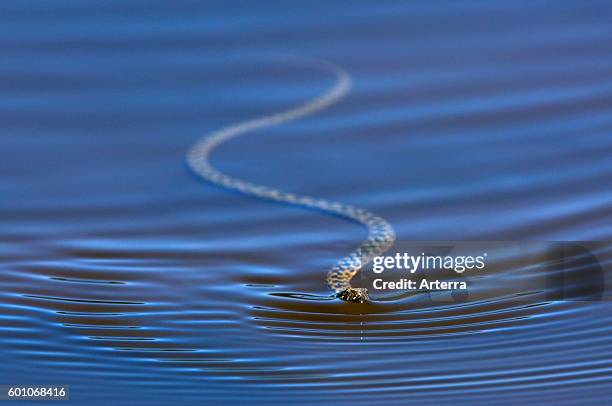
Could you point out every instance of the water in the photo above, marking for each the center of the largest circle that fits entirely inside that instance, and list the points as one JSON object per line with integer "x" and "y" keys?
{"x": 132, "y": 281}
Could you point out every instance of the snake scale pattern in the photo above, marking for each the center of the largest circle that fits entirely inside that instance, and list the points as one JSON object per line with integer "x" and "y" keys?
{"x": 380, "y": 233}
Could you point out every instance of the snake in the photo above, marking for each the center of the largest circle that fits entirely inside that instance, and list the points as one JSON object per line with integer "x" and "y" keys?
{"x": 380, "y": 233}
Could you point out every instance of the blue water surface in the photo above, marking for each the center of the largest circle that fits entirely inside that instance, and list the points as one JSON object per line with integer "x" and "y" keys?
{"x": 134, "y": 282}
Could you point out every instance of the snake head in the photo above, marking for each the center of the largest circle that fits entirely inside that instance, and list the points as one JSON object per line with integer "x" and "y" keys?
{"x": 354, "y": 295}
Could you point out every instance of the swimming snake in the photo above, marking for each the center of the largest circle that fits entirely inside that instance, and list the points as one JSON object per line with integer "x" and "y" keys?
{"x": 380, "y": 233}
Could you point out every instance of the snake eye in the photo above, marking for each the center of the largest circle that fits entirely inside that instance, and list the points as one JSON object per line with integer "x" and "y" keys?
{"x": 354, "y": 295}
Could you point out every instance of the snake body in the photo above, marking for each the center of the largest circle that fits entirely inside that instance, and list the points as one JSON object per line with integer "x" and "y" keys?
{"x": 380, "y": 233}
